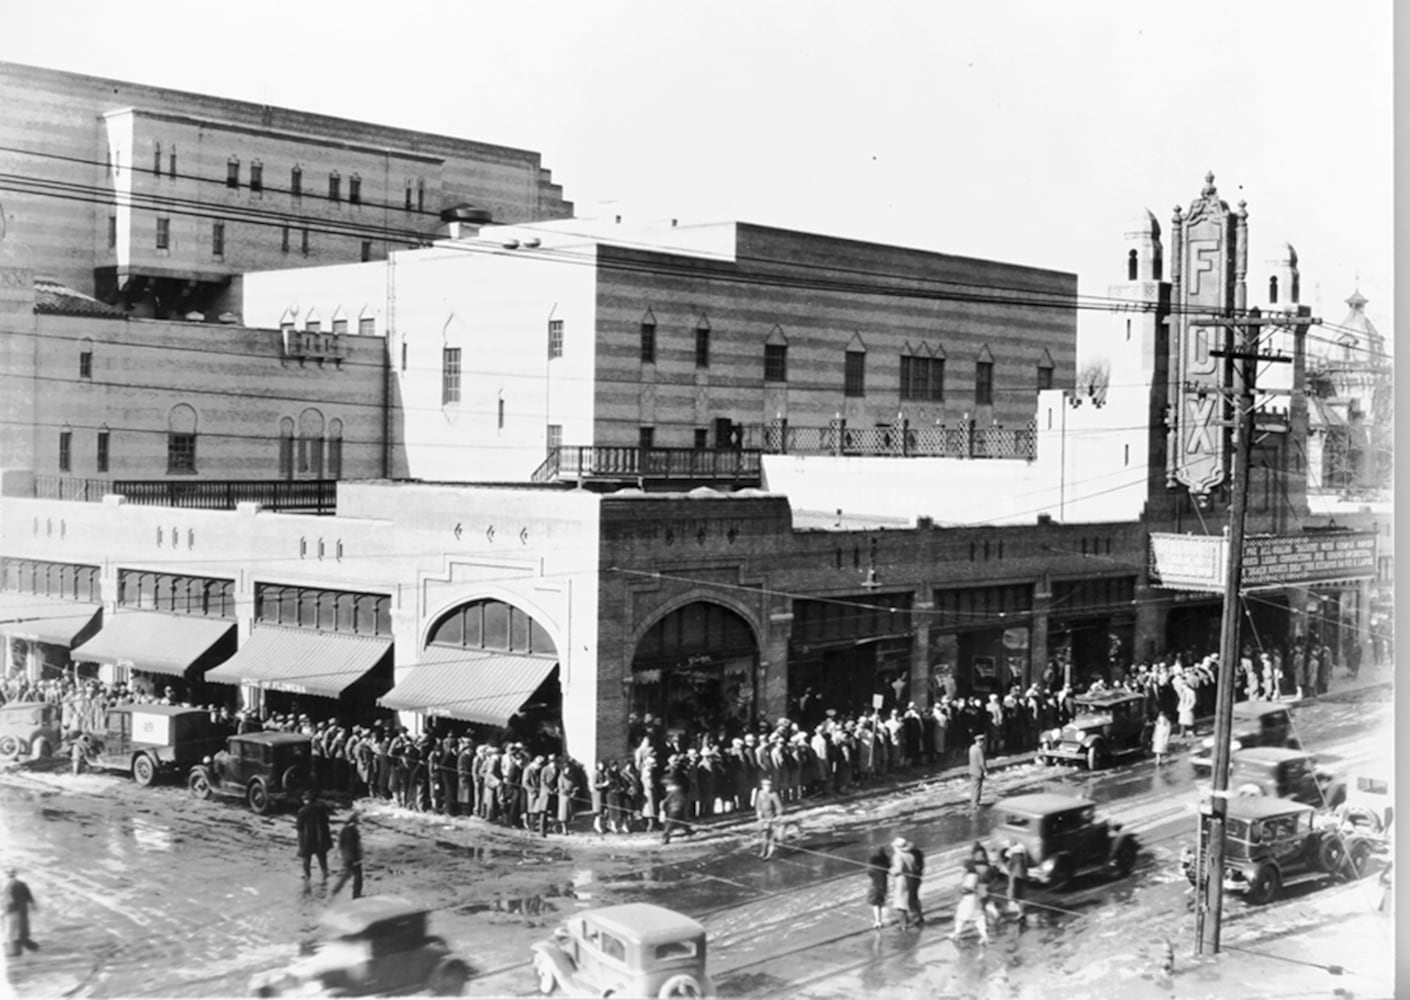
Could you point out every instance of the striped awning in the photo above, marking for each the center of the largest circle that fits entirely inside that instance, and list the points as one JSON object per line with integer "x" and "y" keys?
{"x": 153, "y": 641}
{"x": 44, "y": 619}
{"x": 469, "y": 684}
{"x": 302, "y": 660}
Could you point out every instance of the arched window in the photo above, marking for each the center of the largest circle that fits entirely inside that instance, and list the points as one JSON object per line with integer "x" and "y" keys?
{"x": 286, "y": 448}
{"x": 311, "y": 444}
{"x": 1133, "y": 263}
{"x": 1273, "y": 288}
{"x": 181, "y": 440}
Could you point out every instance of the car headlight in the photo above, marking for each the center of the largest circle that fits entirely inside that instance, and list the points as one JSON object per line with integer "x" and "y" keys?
{"x": 1235, "y": 745}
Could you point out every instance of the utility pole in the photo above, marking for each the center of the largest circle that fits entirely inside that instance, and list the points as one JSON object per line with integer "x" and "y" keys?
{"x": 1245, "y": 355}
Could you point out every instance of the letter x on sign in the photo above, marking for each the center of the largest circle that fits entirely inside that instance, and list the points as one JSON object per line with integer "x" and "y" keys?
{"x": 1200, "y": 424}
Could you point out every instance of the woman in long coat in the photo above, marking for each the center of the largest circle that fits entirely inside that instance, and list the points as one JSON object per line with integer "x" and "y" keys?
{"x": 903, "y": 870}
{"x": 1160, "y": 739}
{"x": 567, "y": 789}
{"x": 878, "y": 871}
{"x": 616, "y": 792}
{"x": 600, "y": 784}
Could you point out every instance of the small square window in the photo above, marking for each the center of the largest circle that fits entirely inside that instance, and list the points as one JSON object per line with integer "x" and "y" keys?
{"x": 85, "y": 364}
{"x": 65, "y": 451}
{"x": 340, "y": 326}
{"x": 775, "y": 362}
{"x": 163, "y": 234}
{"x": 256, "y": 177}
{"x": 555, "y": 338}
{"x": 367, "y": 326}
{"x": 232, "y": 173}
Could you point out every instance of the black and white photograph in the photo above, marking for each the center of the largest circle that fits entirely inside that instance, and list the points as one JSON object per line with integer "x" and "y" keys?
{"x": 791, "y": 499}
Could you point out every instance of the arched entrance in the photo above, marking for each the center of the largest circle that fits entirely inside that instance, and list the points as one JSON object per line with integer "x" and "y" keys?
{"x": 489, "y": 670}
{"x": 694, "y": 672}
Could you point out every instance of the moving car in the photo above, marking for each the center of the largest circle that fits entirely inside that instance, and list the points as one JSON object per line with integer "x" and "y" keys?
{"x": 1063, "y": 835}
{"x": 1271, "y": 842}
{"x": 1105, "y": 723}
{"x": 1285, "y": 773}
{"x": 635, "y": 950}
{"x": 150, "y": 741}
{"x": 373, "y": 946}
{"x": 1255, "y": 724}
{"x": 30, "y": 728}
{"x": 262, "y": 768}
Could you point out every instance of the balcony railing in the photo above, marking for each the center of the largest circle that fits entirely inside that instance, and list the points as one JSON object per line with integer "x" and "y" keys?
{"x": 901, "y": 440}
{"x": 621, "y": 462}
{"x": 306, "y": 496}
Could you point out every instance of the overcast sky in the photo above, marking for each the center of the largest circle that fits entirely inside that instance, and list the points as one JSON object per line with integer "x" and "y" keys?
{"x": 1029, "y": 131}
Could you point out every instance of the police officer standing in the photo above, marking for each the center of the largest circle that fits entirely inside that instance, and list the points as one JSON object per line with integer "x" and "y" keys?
{"x": 350, "y": 849}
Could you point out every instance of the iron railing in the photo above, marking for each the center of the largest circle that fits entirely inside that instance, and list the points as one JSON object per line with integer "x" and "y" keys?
{"x": 309, "y": 496}
{"x": 568, "y": 462}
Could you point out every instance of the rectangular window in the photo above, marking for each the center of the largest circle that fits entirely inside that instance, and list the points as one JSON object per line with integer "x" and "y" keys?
{"x": 218, "y": 239}
{"x": 112, "y": 232}
{"x": 555, "y": 436}
{"x": 646, "y": 437}
{"x": 313, "y": 325}
{"x": 286, "y": 456}
{"x": 340, "y": 326}
{"x": 555, "y": 338}
{"x": 284, "y": 238}
{"x": 408, "y": 196}
{"x": 702, "y": 348}
{"x": 923, "y": 379}
{"x": 157, "y": 159}
{"x": 335, "y": 188}
{"x": 65, "y": 451}
{"x": 180, "y": 453}
{"x": 171, "y": 163}
{"x": 335, "y": 458}
{"x": 232, "y": 173}
{"x": 648, "y": 343}
{"x": 420, "y": 195}
{"x": 702, "y": 439}
{"x": 303, "y": 241}
{"x": 450, "y": 375}
{"x": 1045, "y": 377}
{"x": 367, "y": 326}
{"x": 163, "y": 234}
{"x": 366, "y": 251}
{"x": 501, "y": 414}
{"x": 983, "y": 383}
{"x": 85, "y": 364}
{"x": 103, "y": 438}
{"x": 296, "y": 182}
{"x": 775, "y": 362}
{"x": 354, "y": 190}
{"x": 256, "y": 177}
{"x": 854, "y": 374}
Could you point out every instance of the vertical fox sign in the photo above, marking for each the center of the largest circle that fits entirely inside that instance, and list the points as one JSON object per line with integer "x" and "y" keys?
{"x": 1205, "y": 243}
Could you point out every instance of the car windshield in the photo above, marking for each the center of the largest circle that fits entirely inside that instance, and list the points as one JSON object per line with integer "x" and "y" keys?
{"x": 1238, "y": 829}
{"x": 675, "y": 949}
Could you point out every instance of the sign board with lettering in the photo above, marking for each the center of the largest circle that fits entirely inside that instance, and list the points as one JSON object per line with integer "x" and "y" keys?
{"x": 1199, "y": 377}
{"x": 1187, "y": 562}
{"x": 1280, "y": 560}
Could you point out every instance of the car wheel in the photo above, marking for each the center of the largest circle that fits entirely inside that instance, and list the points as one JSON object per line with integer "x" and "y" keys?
{"x": 292, "y": 780}
{"x": 449, "y": 980}
{"x": 680, "y": 986}
{"x": 1094, "y": 756}
{"x": 258, "y": 797}
{"x": 10, "y": 747}
{"x": 1358, "y": 856}
{"x": 1125, "y": 858}
{"x": 143, "y": 771}
{"x": 1331, "y": 853}
{"x": 1264, "y": 886}
{"x": 200, "y": 783}
{"x": 39, "y": 749}
{"x": 1061, "y": 872}
{"x": 547, "y": 981}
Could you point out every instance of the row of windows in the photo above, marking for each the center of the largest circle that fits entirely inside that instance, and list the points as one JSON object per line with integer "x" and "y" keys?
{"x": 493, "y": 625}
{"x": 366, "y": 326}
{"x": 329, "y": 610}
{"x": 51, "y": 579}
{"x": 307, "y": 456}
{"x": 188, "y": 595}
{"x": 163, "y": 238}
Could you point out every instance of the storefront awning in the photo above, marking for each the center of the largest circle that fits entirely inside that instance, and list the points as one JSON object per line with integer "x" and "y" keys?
{"x": 153, "y": 641}
{"x": 44, "y": 619}
{"x": 469, "y": 684}
{"x": 301, "y": 660}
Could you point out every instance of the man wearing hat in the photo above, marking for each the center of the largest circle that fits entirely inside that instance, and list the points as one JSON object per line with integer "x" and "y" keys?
{"x": 350, "y": 849}
{"x": 768, "y": 807}
{"x": 18, "y": 902}
{"x": 315, "y": 837}
{"x": 978, "y": 768}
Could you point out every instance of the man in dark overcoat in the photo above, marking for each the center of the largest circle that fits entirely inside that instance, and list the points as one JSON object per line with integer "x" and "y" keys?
{"x": 315, "y": 836}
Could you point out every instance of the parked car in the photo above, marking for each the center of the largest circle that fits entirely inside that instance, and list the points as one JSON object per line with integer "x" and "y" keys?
{"x": 635, "y": 950}
{"x": 1255, "y": 724}
{"x": 30, "y": 728}
{"x": 1369, "y": 804}
{"x": 151, "y": 741}
{"x": 1281, "y": 772}
{"x": 373, "y": 946}
{"x": 262, "y": 768}
{"x": 1063, "y": 835}
{"x": 1271, "y": 842}
{"x": 1105, "y": 723}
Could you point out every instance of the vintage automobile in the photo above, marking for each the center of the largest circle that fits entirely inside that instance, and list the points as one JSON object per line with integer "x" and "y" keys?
{"x": 1281, "y": 772}
{"x": 373, "y": 946}
{"x": 1368, "y": 805}
{"x": 635, "y": 950}
{"x": 151, "y": 741}
{"x": 1105, "y": 723}
{"x": 1271, "y": 842}
{"x": 30, "y": 728}
{"x": 262, "y": 768}
{"x": 1063, "y": 836}
{"x": 1255, "y": 724}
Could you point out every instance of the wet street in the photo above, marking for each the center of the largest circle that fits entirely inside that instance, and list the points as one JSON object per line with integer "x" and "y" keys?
{"x": 149, "y": 892}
